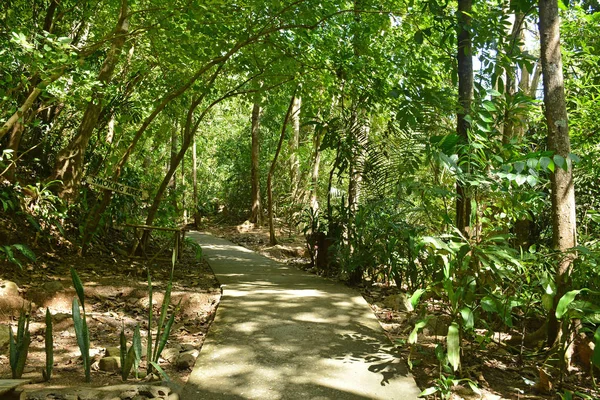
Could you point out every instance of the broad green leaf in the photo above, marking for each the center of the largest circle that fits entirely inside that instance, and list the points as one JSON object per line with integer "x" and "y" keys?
{"x": 596, "y": 354}
{"x": 412, "y": 338}
{"x": 564, "y": 302}
{"x": 429, "y": 391}
{"x": 453, "y": 346}
{"x": 468, "y": 319}
{"x": 532, "y": 180}
{"x": 521, "y": 179}
{"x": 560, "y": 162}
{"x": 416, "y": 296}
{"x": 547, "y": 164}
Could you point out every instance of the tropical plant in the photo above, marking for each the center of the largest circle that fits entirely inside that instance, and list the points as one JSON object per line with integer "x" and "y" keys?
{"x": 19, "y": 349}
{"x": 48, "y": 347}
{"x": 80, "y": 321}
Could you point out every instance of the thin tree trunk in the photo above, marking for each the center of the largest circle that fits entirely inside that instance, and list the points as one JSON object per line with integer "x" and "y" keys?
{"x": 13, "y": 144}
{"x": 272, "y": 238}
{"x": 314, "y": 200}
{"x": 95, "y": 215}
{"x": 510, "y": 89}
{"x": 293, "y": 147}
{"x": 197, "y": 216}
{"x": 69, "y": 163}
{"x": 465, "y": 97}
{"x": 257, "y": 214}
{"x": 174, "y": 150}
{"x": 564, "y": 235}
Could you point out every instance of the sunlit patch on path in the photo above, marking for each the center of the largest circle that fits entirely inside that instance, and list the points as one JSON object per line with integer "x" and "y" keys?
{"x": 281, "y": 333}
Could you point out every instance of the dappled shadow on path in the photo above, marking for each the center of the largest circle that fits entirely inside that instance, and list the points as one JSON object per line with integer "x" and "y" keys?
{"x": 283, "y": 334}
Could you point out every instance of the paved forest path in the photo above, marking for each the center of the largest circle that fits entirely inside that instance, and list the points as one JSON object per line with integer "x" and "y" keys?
{"x": 281, "y": 333}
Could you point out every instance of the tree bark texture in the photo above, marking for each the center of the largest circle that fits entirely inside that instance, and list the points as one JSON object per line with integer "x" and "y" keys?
{"x": 272, "y": 238}
{"x": 197, "y": 216}
{"x": 564, "y": 235}
{"x": 293, "y": 147}
{"x": 256, "y": 213}
{"x": 69, "y": 162}
{"x": 465, "y": 97}
{"x": 508, "y": 132}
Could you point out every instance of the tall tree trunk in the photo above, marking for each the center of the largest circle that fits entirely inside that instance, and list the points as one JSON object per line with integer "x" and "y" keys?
{"x": 314, "y": 176}
{"x": 293, "y": 147}
{"x": 272, "y": 238}
{"x": 174, "y": 150}
{"x": 564, "y": 235}
{"x": 465, "y": 97}
{"x": 69, "y": 162}
{"x": 257, "y": 214}
{"x": 510, "y": 88}
{"x": 197, "y": 216}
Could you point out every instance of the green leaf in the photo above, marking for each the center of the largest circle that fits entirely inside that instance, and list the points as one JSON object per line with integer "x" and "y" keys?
{"x": 418, "y": 37}
{"x": 414, "y": 299}
{"x": 521, "y": 179}
{"x": 560, "y": 162}
{"x": 429, "y": 391}
{"x": 519, "y": 166}
{"x": 26, "y": 251}
{"x": 49, "y": 346}
{"x": 474, "y": 387}
{"x": 412, "y": 338}
{"x": 78, "y": 287}
{"x": 160, "y": 371}
{"x": 547, "y": 164}
{"x": 468, "y": 319}
{"x": 596, "y": 354}
{"x": 565, "y": 301}
{"x": 453, "y": 346}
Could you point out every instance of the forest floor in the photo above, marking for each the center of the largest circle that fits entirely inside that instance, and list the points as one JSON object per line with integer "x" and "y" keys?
{"x": 499, "y": 371}
{"x": 116, "y": 294}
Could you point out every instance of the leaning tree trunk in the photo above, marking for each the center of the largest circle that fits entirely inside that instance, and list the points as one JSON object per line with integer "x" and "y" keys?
{"x": 69, "y": 162}
{"x": 272, "y": 238}
{"x": 257, "y": 213}
{"x": 564, "y": 235}
{"x": 465, "y": 97}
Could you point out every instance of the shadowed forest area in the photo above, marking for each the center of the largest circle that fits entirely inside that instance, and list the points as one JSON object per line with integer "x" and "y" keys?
{"x": 438, "y": 155}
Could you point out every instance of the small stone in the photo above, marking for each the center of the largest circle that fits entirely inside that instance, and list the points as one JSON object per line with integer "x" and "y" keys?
{"x": 187, "y": 347}
{"x": 9, "y": 289}
{"x": 170, "y": 354}
{"x": 110, "y": 364}
{"x": 128, "y": 394}
{"x": 398, "y": 302}
{"x": 173, "y": 396}
{"x": 112, "y": 352}
{"x": 187, "y": 359}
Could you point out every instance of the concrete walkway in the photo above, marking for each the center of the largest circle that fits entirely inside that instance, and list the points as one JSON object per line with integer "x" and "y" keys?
{"x": 280, "y": 333}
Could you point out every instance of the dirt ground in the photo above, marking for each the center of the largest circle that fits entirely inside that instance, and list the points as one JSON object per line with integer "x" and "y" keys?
{"x": 116, "y": 293}
{"x": 499, "y": 372}
{"x": 116, "y": 296}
